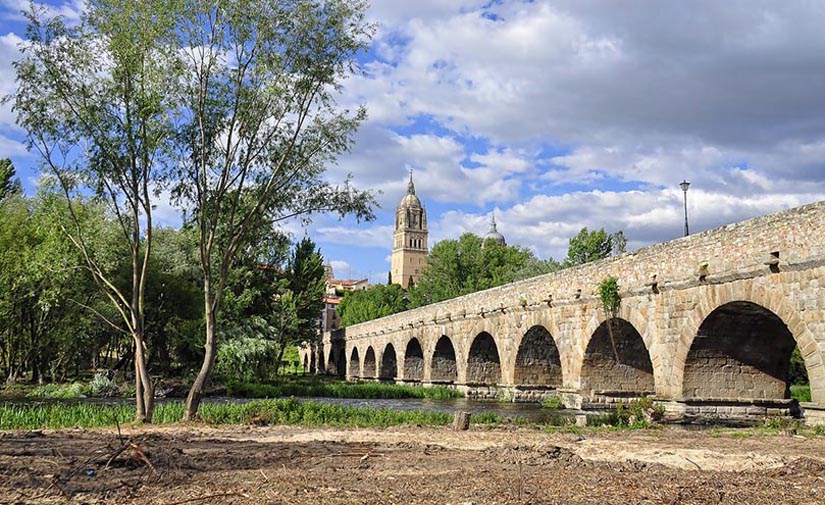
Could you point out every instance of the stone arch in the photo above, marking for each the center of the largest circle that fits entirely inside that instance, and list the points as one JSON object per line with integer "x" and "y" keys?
{"x": 749, "y": 291}
{"x": 483, "y": 361}
{"x": 537, "y": 362}
{"x": 306, "y": 363}
{"x": 354, "y": 364}
{"x": 369, "y": 368}
{"x": 741, "y": 350}
{"x": 413, "y": 360}
{"x": 603, "y": 372}
{"x": 321, "y": 362}
{"x": 443, "y": 367}
{"x": 389, "y": 363}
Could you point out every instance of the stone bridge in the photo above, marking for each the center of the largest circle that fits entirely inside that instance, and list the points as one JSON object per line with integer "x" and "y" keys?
{"x": 707, "y": 326}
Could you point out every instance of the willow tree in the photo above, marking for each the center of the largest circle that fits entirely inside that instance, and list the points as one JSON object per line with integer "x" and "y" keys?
{"x": 260, "y": 125}
{"x": 93, "y": 99}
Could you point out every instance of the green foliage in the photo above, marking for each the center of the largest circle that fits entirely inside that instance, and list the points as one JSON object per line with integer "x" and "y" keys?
{"x": 594, "y": 245}
{"x": 367, "y": 390}
{"x": 64, "y": 391}
{"x": 638, "y": 414}
{"x": 609, "y": 296}
{"x": 798, "y": 373}
{"x": 48, "y": 324}
{"x": 611, "y": 302}
{"x": 9, "y": 184}
{"x": 459, "y": 267}
{"x": 486, "y": 418}
{"x": 801, "y": 393}
{"x": 247, "y": 355}
{"x": 284, "y": 412}
{"x": 552, "y": 402}
{"x": 365, "y": 305}
{"x": 102, "y": 385}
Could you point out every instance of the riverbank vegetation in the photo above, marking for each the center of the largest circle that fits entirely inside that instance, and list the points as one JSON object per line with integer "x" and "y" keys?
{"x": 337, "y": 389}
{"x": 261, "y": 412}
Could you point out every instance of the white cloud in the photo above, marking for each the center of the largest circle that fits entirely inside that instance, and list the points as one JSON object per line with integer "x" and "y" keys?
{"x": 361, "y": 236}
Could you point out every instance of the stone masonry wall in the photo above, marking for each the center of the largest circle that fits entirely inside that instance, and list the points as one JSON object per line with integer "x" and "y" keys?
{"x": 668, "y": 290}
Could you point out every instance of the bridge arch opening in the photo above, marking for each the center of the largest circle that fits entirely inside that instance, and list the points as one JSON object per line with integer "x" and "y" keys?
{"x": 306, "y": 363}
{"x": 369, "y": 364}
{"x": 483, "y": 362}
{"x": 321, "y": 362}
{"x": 413, "y": 361}
{"x": 389, "y": 363}
{"x": 341, "y": 363}
{"x": 741, "y": 350}
{"x": 602, "y": 373}
{"x": 354, "y": 363}
{"x": 443, "y": 368}
{"x": 331, "y": 367}
{"x": 538, "y": 362}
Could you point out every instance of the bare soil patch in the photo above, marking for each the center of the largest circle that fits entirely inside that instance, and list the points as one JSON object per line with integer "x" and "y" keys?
{"x": 409, "y": 465}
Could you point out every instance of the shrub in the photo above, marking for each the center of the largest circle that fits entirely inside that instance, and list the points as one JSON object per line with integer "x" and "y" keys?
{"x": 640, "y": 413}
{"x": 64, "y": 391}
{"x": 552, "y": 402}
{"x": 102, "y": 385}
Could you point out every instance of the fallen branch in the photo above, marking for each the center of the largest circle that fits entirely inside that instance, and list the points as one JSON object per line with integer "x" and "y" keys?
{"x": 207, "y": 497}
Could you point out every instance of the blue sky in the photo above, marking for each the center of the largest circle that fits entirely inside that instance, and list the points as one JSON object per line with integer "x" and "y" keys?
{"x": 563, "y": 114}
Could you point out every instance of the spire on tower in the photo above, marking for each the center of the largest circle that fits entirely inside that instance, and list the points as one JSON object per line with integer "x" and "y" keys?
{"x": 493, "y": 222}
{"x": 410, "y": 185}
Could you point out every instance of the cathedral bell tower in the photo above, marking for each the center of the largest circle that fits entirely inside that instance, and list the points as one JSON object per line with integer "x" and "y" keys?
{"x": 409, "y": 250}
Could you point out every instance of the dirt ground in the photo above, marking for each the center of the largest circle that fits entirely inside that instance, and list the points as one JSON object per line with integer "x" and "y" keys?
{"x": 407, "y": 465}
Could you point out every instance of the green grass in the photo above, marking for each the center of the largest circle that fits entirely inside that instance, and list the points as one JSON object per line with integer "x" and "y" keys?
{"x": 282, "y": 411}
{"x": 64, "y": 391}
{"x": 801, "y": 393}
{"x": 368, "y": 390}
{"x": 552, "y": 402}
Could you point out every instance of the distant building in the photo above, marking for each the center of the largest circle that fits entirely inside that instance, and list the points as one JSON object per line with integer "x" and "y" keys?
{"x": 335, "y": 290}
{"x": 409, "y": 251}
{"x": 492, "y": 233}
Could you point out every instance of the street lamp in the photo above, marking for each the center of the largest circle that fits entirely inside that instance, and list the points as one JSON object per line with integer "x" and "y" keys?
{"x": 685, "y": 185}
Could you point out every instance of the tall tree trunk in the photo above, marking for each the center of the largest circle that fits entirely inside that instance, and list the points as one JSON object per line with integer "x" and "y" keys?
{"x": 193, "y": 400}
{"x": 145, "y": 391}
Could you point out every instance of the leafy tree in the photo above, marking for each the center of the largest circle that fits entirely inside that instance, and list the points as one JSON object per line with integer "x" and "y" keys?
{"x": 459, "y": 267}
{"x": 44, "y": 332}
{"x": 305, "y": 285}
{"x": 535, "y": 267}
{"x": 94, "y": 102}
{"x": 9, "y": 184}
{"x": 174, "y": 302}
{"x": 259, "y": 124}
{"x": 368, "y": 304}
{"x": 594, "y": 245}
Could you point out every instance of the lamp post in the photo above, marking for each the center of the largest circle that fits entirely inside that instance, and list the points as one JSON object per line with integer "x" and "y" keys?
{"x": 685, "y": 185}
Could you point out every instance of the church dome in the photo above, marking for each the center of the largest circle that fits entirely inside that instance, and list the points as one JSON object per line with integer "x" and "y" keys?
{"x": 493, "y": 233}
{"x": 410, "y": 200}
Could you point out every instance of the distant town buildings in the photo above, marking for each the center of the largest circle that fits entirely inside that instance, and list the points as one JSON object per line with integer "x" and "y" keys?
{"x": 335, "y": 290}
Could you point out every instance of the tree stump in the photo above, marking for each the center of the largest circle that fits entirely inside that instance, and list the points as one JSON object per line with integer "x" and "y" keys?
{"x": 461, "y": 421}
